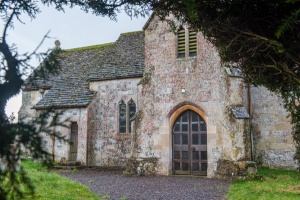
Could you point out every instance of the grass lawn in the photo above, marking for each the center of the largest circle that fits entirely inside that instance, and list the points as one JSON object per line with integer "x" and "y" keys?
{"x": 49, "y": 185}
{"x": 276, "y": 184}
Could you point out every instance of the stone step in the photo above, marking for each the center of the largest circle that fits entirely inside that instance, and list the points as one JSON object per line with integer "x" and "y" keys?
{"x": 69, "y": 163}
{"x": 64, "y": 167}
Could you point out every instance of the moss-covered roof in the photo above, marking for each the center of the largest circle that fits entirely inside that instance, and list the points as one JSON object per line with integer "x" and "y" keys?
{"x": 79, "y": 66}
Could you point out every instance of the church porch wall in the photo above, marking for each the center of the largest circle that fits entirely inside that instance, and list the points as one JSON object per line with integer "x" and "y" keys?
{"x": 62, "y": 148}
{"x": 28, "y": 113}
{"x": 108, "y": 147}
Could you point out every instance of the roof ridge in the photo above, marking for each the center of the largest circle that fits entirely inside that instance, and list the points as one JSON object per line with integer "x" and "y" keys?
{"x": 131, "y": 32}
{"x": 90, "y": 47}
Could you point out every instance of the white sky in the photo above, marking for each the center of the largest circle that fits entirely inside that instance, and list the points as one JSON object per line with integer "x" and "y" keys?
{"x": 73, "y": 28}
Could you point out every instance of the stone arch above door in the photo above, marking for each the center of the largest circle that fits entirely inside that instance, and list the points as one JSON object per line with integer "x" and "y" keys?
{"x": 189, "y": 144}
{"x": 180, "y": 108}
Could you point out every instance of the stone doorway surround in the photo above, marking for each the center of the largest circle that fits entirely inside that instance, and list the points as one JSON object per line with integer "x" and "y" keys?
{"x": 189, "y": 145}
{"x": 211, "y": 135}
{"x": 74, "y": 142}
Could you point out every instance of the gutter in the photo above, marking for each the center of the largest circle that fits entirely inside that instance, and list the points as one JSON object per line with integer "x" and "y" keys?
{"x": 59, "y": 107}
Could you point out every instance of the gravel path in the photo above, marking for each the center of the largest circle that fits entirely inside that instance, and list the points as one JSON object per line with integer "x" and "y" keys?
{"x": 118, "y": 186}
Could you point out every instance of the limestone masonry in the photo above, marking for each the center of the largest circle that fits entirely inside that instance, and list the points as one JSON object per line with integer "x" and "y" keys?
{"x": 139, "y": 104}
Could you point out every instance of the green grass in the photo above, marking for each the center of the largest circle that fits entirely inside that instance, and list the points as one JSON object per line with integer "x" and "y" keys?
{"x": 49, "y": 185}
{"x": 276, "y": 184}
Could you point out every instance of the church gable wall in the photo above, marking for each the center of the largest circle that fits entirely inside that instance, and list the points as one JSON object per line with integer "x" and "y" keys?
{"x": 206, "y": 86}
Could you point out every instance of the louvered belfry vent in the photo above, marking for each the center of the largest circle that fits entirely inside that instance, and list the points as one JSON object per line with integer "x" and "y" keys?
{"x": 192, "y": 43}
{"x": 187, "y": 43}
{"x": 181, "y": 43}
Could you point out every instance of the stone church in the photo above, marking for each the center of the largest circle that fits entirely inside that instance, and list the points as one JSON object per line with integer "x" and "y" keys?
{"x": 160, "y": 101}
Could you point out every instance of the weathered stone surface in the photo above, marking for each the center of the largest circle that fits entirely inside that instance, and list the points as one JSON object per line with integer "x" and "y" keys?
{"x": 235, "y": 170}
{"x": 61, "y": 149}
{"x": 141, "y": 166}
{"x": 274, "y": 146}
{"x": 106, "y": 146}
{"x": 144, "y": 68}
{"x": 209, "y": 90}
{"x": 233, "y": 71}
{"x": 227, "y": 169}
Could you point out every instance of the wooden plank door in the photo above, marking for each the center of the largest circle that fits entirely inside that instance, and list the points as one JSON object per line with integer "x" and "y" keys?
{"x": 73, "y": 142}
{"x": 189, "y": 144}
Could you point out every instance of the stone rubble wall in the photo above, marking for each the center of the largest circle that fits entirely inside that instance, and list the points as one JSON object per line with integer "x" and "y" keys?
{"x": 79, "y": 115}
{"x": 106, "y": 146}
{"x": 208, "y": 89}
{"x": 29, "y": 100}
{"x": 274, "y": 146}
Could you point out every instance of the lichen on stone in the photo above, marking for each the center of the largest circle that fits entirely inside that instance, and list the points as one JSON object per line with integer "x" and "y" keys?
{"x": 90, "y": 47}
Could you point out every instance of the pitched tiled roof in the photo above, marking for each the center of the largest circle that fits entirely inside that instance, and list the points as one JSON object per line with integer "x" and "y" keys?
{"x": 70, "y": 88}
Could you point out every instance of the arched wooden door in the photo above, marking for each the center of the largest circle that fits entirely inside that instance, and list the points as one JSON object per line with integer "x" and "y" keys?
{"x": 189, "y": 144}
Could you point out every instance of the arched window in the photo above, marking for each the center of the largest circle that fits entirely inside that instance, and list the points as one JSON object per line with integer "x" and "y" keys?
{"x": 122, "y": 117}
{"x": 126, "y": 115}
{"x": 131, "y": 113}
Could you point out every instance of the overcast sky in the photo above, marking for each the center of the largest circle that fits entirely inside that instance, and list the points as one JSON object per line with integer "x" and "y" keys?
{"x": 73, "y": 28}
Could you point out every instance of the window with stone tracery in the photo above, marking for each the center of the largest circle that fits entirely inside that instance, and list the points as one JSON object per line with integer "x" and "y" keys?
{"x": 126, "y": 115}
{"x": 131, "y": 113}
{"x": 122, "y": 117}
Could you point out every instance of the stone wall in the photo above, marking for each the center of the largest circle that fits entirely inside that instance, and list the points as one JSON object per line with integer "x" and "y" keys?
{"x": 29, "y": 100}
{"x": 61, "y": 149}
{"x": 78, "y": 115}
{"x": 108, "y": 147}
{"x": 209, "y": 92}
{"x": 274, "y": 146}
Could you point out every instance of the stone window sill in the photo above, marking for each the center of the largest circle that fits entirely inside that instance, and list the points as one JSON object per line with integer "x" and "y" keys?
{"x": 122, "y": 136}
